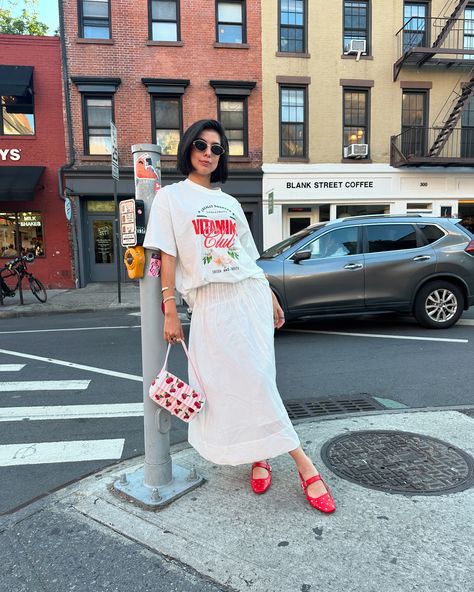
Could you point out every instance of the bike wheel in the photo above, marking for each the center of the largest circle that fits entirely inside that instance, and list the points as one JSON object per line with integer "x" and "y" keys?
{"x": 9, "y": 281}
{"x": 38, "y": 289}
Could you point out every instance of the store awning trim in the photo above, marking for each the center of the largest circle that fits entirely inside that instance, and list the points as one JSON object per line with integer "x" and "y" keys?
{"x": 18, "y": 183}
{"x": 16, "y": 80}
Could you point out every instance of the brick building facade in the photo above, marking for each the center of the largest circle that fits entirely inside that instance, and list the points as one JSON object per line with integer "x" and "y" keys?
{"x": 32, "y": 150}
{"x": 154, "y": 68}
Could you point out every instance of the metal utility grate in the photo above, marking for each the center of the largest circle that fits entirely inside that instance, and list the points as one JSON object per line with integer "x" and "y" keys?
{"x": 303, "y": 409}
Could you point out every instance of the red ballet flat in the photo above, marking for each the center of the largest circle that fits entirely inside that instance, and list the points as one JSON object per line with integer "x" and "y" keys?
{"x": 261, "y": 485}
{"x": 323, "y": 503}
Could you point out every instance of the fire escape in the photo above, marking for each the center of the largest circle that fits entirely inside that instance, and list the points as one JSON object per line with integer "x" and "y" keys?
{"x": 453, "y": 47}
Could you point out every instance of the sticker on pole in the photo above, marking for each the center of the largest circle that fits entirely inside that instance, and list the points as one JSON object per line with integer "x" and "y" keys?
{"x": 131, "y": 212}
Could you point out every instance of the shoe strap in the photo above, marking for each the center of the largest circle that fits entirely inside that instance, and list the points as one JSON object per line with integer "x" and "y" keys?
{"x": 264, "y": 465}
{"x": 312, "y": 480}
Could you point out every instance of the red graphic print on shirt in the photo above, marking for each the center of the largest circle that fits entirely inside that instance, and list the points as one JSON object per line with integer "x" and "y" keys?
{"x": 218, "y": 229}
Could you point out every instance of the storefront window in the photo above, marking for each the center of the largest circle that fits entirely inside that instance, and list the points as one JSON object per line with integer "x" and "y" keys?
{"x": 25, "y": 228}
{"x": 100, "y": 206}
{"x": 344, "y": 211}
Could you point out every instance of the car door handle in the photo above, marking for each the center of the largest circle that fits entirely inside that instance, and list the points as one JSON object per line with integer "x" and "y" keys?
{"x": 353, "y": 266}
{"x": 422, "y": 258}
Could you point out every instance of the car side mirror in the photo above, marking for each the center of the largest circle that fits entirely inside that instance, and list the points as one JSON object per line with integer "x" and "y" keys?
{"x": 301, "y": 256}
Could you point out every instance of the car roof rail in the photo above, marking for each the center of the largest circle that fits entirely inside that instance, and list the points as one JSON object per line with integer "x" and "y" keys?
{"x": 371, "y": 216}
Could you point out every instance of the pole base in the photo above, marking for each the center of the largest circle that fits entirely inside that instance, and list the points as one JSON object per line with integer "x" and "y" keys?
{"x": 132, "y": 487}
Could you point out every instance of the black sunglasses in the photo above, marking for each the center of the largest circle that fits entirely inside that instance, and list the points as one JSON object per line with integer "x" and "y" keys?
{"x": 201, "y": 146}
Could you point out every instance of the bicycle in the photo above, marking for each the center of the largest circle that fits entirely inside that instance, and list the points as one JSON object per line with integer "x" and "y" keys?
{"x": 13, "y": 273}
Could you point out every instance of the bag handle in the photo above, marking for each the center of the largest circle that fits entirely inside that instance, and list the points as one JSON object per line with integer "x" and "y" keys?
{"x": 190, "y": 361}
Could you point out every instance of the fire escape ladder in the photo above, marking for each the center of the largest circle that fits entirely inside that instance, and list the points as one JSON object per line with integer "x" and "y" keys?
{"x": 453, "y": 118}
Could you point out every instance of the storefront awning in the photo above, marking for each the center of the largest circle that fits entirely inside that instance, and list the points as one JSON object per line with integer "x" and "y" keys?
{"x": 17, "y": 183}
{"x": 16, "y": 80}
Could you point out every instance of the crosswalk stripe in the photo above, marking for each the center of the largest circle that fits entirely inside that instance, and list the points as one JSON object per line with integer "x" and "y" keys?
{"x": 60, "y": 452}
{"x": 44, "y": 385}
{"x": 42, "y": 413}
{"x": 11, "y": 367}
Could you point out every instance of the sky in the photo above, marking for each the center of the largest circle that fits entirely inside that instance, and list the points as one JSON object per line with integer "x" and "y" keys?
{"x": 47, "y": 12}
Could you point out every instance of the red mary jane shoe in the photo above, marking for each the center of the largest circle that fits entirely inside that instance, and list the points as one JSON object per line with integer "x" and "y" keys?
{"x": 261, "y": 485}
{"x": 323, "y": 503}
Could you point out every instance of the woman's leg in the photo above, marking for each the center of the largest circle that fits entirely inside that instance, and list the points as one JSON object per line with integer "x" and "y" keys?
{"x": 307, "y": 469}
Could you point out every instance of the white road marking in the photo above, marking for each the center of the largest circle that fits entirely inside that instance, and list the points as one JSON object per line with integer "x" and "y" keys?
{"x": 70, "y": 329}
{"x": 60, "y": 452}
{"x": 11, "y": 367}
{"x": 44, "y": 385}
{"x": 72, "y": 365}
{"x": 43, "y": 412}
{"x": 379, "y": 336}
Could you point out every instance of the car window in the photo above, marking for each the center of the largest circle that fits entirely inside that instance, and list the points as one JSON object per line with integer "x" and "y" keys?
{"x": 391, "y": 237}
{"x": 290, "y": 241}
{"x": 336, "y": 243}
{"x": 467, "y": 226}
{"x": 431, "y": 232}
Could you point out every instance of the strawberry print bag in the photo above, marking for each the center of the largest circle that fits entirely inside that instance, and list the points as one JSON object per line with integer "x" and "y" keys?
{"x": 175, "y": 395}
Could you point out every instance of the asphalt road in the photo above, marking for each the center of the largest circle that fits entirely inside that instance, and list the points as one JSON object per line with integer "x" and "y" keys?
{"x": 389, "y": 359}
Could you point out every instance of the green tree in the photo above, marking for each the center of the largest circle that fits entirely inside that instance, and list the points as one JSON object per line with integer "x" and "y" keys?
{"x": 26, "y": 23}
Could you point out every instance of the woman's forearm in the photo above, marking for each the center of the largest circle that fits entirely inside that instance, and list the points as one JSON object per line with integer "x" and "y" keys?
{"x": 168, "y": 279}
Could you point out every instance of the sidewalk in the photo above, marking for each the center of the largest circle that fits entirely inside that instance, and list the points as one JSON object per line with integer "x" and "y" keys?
{"x": 222, "y": 537}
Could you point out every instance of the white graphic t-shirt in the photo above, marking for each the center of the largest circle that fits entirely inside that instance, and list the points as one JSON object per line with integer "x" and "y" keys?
{"x": 206, "y": 229}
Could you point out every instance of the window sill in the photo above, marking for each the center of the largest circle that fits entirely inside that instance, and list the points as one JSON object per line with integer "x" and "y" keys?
{"x": 285, "y": 54}
{"x": 165, "y": 43}
{"x": 232, "y": 45}
{"x": 356, "y": 160}
{"x": 240, "y": 159}
{"x": 96, "y": 157}
{"x": 354, "y": 57}
{"x": 97, "y": 41}
{"x": 14, "y": 137}
{"x": 294, "y": 159}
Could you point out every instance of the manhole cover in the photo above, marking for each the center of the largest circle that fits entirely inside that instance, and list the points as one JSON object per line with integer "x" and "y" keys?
{"x": 303, "y": 409}
{"x": 399, "y": 462}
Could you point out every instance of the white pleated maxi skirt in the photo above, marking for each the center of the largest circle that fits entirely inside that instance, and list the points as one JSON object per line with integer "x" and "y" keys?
{"x": 231, "y": 344}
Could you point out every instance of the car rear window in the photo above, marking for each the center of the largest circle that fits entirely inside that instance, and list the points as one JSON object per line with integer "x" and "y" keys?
{"x": 431, "y": 232}
{"x": 467, "y": 228}
{"x": 391, "y": 237}
{"x": 290, "y": 241}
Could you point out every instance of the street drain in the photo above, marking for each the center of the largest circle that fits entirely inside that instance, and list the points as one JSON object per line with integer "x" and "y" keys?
{"x": 304, "y": 409}
{"x": 399, "y": 462}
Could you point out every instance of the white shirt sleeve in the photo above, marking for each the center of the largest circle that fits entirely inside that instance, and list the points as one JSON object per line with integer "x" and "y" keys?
{"x": 245, "y": 235}
{"x": 160, "y": 233}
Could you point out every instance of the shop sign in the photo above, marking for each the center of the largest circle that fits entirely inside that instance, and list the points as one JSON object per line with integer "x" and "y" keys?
{"x": 68, "y": 208}
{"x": 10, "y": 154}
{"x": 115, "y": 162}
{"x": 30, "y": 220}
{"x": 334, "y": 186}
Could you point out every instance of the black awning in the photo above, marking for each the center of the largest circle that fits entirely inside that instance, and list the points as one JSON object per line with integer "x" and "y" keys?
{"x": 16, "y": 80}
{"x": 17, "y": 183}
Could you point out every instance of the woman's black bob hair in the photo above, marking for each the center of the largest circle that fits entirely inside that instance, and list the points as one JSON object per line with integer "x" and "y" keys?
{"x": 193, "y": 132}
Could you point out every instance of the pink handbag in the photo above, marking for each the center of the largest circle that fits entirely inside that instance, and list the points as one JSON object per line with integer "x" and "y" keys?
{"x": 175, "y": 395}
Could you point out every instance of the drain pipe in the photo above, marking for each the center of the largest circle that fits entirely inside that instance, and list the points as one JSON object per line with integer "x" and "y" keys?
{"x": 70, "y": 136}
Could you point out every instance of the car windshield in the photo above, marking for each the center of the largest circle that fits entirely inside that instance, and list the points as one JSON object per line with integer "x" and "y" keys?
{"x": 290, "y": 241}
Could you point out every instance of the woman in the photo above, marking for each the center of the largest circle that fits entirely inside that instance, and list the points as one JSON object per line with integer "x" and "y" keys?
{"x": 208, "y": 254}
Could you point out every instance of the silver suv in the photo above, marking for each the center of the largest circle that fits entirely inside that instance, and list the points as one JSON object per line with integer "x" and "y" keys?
{"x": 370, "y": 264}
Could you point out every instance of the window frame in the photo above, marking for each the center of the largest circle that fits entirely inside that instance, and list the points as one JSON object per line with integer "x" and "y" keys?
{"x": 81, "y": 18}
{"x": 366, "y": 91}
{"x": 368, "y": 29}
{"x": 304, "y": 88}
{"x": 244, "y": 100}
{"x": 164, "y": 96}
{"x": 304, "y": 27}
{"x": 427, "y": 29}
{"x": 85, "y": 123}
{"x": 151, "y": 21}
{"x": 426, "y": 96}
{"x": 243, "y": 3}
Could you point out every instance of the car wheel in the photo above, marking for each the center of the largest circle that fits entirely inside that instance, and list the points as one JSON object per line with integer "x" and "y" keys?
{"x": 438, "y": 305}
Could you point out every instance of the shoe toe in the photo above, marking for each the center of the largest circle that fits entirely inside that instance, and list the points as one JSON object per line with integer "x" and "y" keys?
{"x": 260, "y": 485}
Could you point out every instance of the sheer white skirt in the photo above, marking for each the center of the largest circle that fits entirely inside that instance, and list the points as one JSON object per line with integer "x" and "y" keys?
{"x": 231, "y": 344}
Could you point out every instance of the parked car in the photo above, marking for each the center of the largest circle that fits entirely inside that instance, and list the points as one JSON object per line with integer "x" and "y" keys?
{"x": 419, "y": 265}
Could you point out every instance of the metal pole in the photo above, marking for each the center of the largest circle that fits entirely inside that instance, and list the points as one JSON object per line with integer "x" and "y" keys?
{"x": 159, "y": 481}
{"x": 118, "y": 250}
{"x": 18, "y": 254}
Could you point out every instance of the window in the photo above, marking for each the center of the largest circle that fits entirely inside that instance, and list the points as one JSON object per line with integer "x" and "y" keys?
{"x": 356, "y": 117}
{"x": 414, "y": 21}
{"x": 414, "y": 123}
{"x": 164, "y": 22}
{"x": 390, "y": 237}
{"x": 97, "y": 119}
{"x": 469, "y": 31}
{"x": 94, "y": 19}
{"x": 233, "y": 115}
{"x": 337, "y": 243}
{"x": 356, "y": 22}
{"x": 431, "y": 232}
{"x": 167, "y": 123}
{"x": 231, "y": 22}
{"x": 292, "y": 122}
{"x": 292, "y": 37}
{"x": 467, "y": 130}
{"x": 28, "y": 226}
{"x": 346, "y": 210}
{"x": 18, "y": 117}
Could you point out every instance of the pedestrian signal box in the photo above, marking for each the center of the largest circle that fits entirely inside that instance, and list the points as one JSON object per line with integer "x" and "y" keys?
{"x": 132, "y": 222}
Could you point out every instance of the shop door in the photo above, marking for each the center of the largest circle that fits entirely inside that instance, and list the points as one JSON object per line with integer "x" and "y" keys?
{"x": 101, "y": 244}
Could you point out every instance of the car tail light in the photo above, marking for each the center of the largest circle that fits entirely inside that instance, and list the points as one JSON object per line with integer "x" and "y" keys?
{"x": 470, "y": 248}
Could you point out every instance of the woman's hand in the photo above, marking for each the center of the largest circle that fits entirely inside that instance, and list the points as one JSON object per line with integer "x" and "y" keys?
{"x": 173, "y": 331}
{"x": 278, "y": 314}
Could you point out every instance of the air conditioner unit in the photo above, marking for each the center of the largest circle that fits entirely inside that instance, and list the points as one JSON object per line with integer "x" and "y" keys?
{"x": 356, "y": 151}
{"x": 358, "y": 46}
